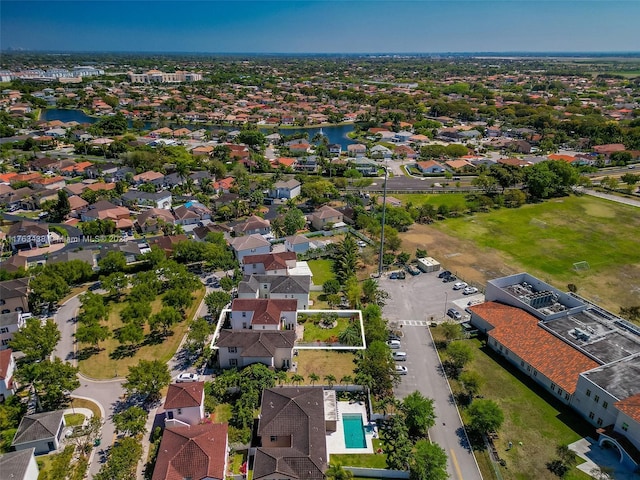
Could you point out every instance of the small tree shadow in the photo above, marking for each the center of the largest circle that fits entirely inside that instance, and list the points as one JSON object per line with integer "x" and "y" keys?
{"x": 88, "y": 352}
{"x": 124, "y": 351}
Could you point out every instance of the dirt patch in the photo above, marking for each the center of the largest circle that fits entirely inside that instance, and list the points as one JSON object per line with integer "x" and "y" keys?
{"x": 458, "y": 255}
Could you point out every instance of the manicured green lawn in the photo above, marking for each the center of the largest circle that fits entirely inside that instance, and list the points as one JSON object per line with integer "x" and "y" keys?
{"x": 371, "y": 460}
{"x": 322, "y": 270}
{"x": 73, "y": 419}
{"x": 222, "y": 413}
{"x": 436, "y": 199}
{"x": 313, "y": 333}
{"x": 83, "y": 403}
{"x": 546, "y": 239}
{"x": 531, "y": 417}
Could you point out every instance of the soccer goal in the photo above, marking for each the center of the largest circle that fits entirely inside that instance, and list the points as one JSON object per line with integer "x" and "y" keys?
{"x": 581, "y": 266}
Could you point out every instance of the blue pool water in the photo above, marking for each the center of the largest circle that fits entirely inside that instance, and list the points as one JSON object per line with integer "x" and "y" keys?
{"x": 353, "y": 431}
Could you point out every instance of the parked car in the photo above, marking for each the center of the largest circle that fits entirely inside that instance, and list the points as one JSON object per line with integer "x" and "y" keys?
{"x": 393, "y": 344}
{"x": 397, "y": 275}
{"x": 450, "y": 278}
{"x": 401, "y": 370}
{"x": 413, "y": 270}
{"x": 187, "y": 377}
{"x": 459, "y": 285}
{"x": 470, "y": 291}
{"x": 95, "y": 286}
{"x": 361, "y": 243}
{"x": 399, "y": 356}
{"x": 444, "y": 273}
{"x": 455, "y": 314}
{"x": 394, "y": 336}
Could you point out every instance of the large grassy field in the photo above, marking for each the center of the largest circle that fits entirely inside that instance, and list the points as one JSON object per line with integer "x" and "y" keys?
{"x": 531, "y": 417}
{"x": 545, "y": 239}
{"x": 102, "y": 364}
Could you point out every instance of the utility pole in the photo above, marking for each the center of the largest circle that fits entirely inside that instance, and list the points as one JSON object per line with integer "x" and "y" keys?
{"x": 384, "y": 210}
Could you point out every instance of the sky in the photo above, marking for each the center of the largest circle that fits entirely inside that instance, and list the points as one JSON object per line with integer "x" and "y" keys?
{"x": 305, "y": 26}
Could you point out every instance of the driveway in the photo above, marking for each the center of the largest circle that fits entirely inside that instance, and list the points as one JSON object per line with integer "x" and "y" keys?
{"x": 412, "y": 304}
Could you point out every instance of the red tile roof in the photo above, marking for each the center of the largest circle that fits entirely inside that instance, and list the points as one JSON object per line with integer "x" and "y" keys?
{"x": 271, "y": 261}
{"x": 183, "y": 395}
{"x": 518, "y": 331}
{"x": 5, "y": 360}
{"x": 196, "y": 452}
{"x": 265, "y": 311}
{"x": 630, "y": 406}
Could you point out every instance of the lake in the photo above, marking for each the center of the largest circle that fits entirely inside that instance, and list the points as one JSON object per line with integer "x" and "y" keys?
{"x": 335, "y": 134}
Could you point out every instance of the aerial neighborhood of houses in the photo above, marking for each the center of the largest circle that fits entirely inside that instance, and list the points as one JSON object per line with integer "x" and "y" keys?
{"x": 207, "y": 279}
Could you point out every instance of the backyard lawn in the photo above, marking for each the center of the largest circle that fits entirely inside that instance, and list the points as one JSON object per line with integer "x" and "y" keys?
{"x": 322, "y": 270}
{"x": 371, "y": 460}
{"x": 85, "y": 403}
{"x": 73, "y": 419}
{"x": 534, "y": 422}
{"x": 324, "y": 362}
{"x": 101, "y": 365}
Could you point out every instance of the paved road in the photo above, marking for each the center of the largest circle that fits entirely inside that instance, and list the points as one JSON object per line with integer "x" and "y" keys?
{"x": 614, "y": 198}
{"x": 430, "y": 298}
{"x": 106, "y": 392}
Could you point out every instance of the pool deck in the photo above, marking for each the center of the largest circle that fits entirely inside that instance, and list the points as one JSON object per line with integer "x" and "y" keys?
{"x": 335, "y": 440}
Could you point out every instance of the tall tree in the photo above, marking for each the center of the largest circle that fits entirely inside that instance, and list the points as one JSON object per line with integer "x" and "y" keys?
{"x": 486, "y": 416}
{"x": 428, "y": 462}
{"x": 131, "y": 422}
{"x": 147, "y": 379}
{"x": 396, "y": 444}
{"x": 36, "y": 340}
{"x": 419, "y": 414}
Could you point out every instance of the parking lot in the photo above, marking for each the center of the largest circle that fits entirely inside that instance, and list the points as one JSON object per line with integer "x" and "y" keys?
{"x": 412, "y": 304}
{"x": 423, "y": 298}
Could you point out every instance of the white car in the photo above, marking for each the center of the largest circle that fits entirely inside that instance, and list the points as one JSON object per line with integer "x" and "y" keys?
{"x": 399, "y": 356}
{"x": 394, "y": 344}
{"x": 401, "y": 370}
{"x": 187, "y": 377}
{"x": 459, "y": 285}
{"x": 361, "y": 243}
{"x": 470, "y": 291}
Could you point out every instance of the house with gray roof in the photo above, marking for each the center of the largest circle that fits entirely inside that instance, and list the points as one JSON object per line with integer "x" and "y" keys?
{"x": 292, "y": 431}
{"x": 20, "y": 465}
{"x": 250, "y": 245}
{"x": 40, "y": 431}
{"x": 297, "y": 244}
{"x": 239, "y": 348}
{"x": 285, "y": 287}
{"x": 161, "y": 199}
{"x": 285, "y": 189}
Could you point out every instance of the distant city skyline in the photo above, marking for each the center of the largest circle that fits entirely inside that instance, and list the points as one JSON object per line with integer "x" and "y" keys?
{"x": 324, "y": 27}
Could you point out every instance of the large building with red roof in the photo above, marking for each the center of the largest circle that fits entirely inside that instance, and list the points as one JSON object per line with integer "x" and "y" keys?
{"x": 586, "y": 357}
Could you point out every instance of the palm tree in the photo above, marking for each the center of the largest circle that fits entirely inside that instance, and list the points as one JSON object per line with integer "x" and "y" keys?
{"x": 336, "y": 472}
{"x": 281, "y": 376}
{"x": 313, "y": 378}
{"x": 347, "y": 379}
{"x": 330, "y": 379}
{"x": 297, "y": 379}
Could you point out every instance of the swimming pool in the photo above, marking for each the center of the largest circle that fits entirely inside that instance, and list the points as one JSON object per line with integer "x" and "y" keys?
{"x": 353, "y": 430}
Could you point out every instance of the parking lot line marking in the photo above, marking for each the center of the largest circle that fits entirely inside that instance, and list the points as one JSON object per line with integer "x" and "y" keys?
{"x": 454, "y": 460}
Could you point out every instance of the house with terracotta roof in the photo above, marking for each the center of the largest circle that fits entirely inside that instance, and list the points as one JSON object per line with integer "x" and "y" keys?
{"x": 224, "y": 185}
{"x": 293, "y": 449}
{"x": 155, "y": 178}
{"x": 285, "y": 162}
{"x": 585, "y": 356}
{"x": 269, "y": 263}
{"x": 609, "y": 148}
{"x": 202, "y": 151}
{"x": 198, "y": 452}
{"x": 514, "y": 162}
{"x": 250, "y": 245}
{"x": 184, "y": 404}
{"x": 7, "y": 367}
{"x": 429, "y": 166}
{"x": 263, "y": 313}
{"x": 460, "y": 165}
{"x": 356, "y": 150}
